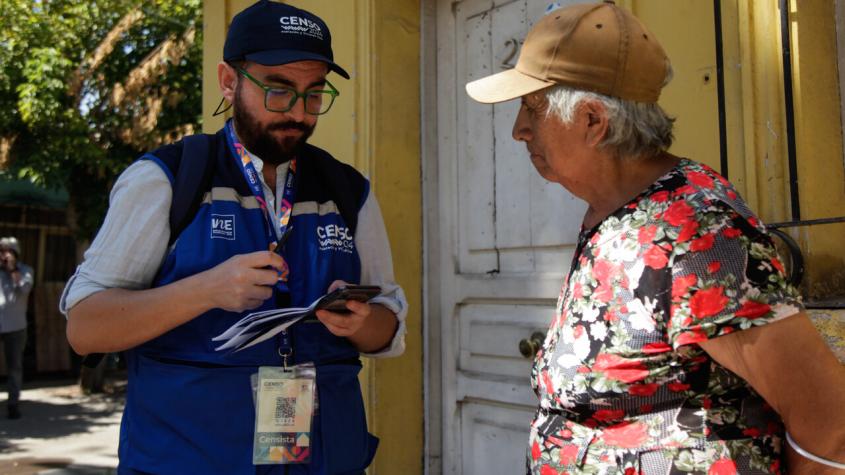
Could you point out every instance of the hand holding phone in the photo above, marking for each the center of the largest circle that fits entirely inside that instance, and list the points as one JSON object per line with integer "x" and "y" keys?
{"x": 335, "y": 301}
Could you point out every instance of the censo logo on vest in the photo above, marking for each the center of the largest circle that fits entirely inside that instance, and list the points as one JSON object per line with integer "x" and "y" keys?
{"x": 335, "y": 238}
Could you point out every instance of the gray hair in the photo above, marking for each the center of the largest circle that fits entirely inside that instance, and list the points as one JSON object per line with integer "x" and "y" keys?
{"x": 635, "y": 128}
{"x": 10, "y": 243}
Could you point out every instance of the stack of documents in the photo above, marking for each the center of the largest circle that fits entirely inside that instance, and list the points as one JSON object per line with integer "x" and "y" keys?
{"x": 261, "y": 326}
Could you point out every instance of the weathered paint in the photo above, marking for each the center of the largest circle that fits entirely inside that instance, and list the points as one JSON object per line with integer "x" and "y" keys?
{"x": 374, "y": 125}
{"x": 691, "y": 96}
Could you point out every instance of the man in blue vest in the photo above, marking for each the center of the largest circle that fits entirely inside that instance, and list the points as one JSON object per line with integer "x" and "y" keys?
{"x": 162, "y": 294}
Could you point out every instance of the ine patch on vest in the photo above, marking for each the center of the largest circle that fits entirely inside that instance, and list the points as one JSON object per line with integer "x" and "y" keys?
{"x": 223, "y": 226}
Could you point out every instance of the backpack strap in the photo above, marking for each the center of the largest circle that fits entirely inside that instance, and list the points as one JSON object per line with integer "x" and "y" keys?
{"x": 191, "y": 179}
{"x": 346, "y": 186}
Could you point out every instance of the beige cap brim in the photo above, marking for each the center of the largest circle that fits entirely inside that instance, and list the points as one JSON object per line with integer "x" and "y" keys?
{"x": 504, "y": 86}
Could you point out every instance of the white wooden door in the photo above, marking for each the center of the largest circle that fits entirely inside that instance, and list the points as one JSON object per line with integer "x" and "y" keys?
{"x": 503, "y": 244}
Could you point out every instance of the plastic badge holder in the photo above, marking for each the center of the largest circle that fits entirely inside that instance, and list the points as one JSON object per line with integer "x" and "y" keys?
{"x": 284, "y": 414}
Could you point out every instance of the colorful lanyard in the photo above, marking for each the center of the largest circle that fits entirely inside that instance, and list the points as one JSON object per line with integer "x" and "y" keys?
{"x": 286, "y": 206}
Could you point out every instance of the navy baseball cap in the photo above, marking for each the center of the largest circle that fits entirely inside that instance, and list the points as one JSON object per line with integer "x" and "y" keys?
{"x": 272, "y": 33}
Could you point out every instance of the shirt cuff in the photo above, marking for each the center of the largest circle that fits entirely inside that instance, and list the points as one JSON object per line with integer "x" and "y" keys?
{"x": 394, "y": 300}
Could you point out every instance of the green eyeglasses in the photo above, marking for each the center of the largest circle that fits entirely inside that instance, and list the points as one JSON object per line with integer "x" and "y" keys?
{"x": 282, "y": 99}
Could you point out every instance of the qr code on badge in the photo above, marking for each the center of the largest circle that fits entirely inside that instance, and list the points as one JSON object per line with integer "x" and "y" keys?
{"x": 285, "y": 410}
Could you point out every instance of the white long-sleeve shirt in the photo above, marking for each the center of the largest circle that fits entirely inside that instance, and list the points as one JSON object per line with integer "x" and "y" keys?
{"x": 132, "y": 243}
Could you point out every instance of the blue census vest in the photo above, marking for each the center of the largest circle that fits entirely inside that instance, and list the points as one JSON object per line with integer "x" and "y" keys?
{"x": 189, "y": 409}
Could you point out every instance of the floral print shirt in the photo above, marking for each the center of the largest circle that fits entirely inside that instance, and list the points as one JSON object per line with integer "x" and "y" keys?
{"x": 623, "y": 386}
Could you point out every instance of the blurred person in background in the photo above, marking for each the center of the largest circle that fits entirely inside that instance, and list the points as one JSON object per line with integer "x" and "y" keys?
{"x": 16, "y": 279}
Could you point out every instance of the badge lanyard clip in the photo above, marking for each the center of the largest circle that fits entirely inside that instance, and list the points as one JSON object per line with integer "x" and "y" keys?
{"x": 285, "y": 349}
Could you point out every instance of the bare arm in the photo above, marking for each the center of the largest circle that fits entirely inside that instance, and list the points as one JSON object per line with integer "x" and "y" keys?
{"x": 119, "y": 319}
{"x": 789, "y": 364}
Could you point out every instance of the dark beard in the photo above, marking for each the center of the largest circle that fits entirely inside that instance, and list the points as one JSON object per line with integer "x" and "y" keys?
{"x": 264, "y": 145}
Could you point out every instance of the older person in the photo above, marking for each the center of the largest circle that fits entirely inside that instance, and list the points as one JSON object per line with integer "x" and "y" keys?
{"x": 678, "y": 344}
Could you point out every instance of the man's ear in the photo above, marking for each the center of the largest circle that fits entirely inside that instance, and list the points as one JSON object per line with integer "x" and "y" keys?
{"x": 227, "y": 79}
{"x": 594, "y": 115}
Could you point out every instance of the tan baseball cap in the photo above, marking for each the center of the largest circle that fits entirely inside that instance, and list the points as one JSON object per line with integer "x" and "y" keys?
{"x": 597, "y": 47}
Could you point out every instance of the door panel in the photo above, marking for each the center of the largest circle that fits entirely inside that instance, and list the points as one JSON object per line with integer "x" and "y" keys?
{"x": 487, "y": 336}
{"x": 506, "y": 237}
{"x": 497, "y": 436}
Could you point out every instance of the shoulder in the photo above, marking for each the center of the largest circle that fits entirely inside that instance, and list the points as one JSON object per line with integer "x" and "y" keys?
{"x": 142, "y": 173}
{"x": 342, "y": 179}
{"x": 695, "y": 193}
{"x": 169, "y": 157}
{"x": 709, "y": 191}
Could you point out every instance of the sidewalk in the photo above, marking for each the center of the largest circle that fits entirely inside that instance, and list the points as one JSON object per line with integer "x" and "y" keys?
{"x": 62, "y": 432}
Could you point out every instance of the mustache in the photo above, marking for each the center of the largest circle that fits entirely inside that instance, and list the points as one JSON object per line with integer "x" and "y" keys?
{"x": 289, "y": 125}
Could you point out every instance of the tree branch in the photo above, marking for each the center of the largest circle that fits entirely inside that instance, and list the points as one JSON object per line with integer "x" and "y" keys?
{"x": 93, "y": 60}
{"x": 6, "y": 143}
{"x": 152, "y": 67}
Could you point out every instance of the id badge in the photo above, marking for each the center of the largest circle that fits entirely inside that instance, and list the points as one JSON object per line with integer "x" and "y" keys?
{"x": 283, "y": 414}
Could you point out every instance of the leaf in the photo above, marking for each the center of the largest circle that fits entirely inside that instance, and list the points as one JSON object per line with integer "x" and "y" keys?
{"x": 59, "y": 64}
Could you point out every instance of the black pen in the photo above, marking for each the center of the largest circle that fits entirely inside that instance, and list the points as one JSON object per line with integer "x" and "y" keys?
{"x": 280, "y": 244}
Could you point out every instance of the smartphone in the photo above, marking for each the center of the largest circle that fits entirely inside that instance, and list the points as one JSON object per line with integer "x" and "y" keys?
{"x": 335, "y": 301}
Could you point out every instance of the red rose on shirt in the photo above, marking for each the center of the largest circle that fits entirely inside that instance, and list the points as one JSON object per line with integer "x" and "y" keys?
{"x": 752, "y": 310}
{"x": 548, "y": 470}
{"x": 659, "y": 197}
{"x": 604, "y": 293}
{"x": 608, "y": 414}
{"x": 568, "y": 454}
{"x": 646, "y": 234}
{"x": 535, "y": 451}
{"x": 731, "y": 233}
{"x": 577, "y": 290}
{"x": 723, "y": 467}
{"x": 703, "y": 243}
{"x": 620, "y": 369}
{"x": 626, "y": 435}
{"x": 681, "y": 285}
{"x": 643, "y": 389}
{"x": 708, "y": 302}
{"x": 655, "y": 257}
{"x": 700, "y": 179}
{"x": 603, "y": 270}
{"x": 688, "y": 230}
{"x": 656, "y": 347}
{"x": 547, "y": 382}
{"x": 687, "y": 338}
{"x": 678, "y": 213}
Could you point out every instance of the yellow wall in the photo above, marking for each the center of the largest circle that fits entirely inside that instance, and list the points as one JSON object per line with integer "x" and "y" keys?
{"x": 374, "y": 125}
{"x": 819, "y": 144}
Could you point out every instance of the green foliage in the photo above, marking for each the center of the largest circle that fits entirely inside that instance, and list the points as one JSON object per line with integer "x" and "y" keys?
{"x": 82, "y": 97}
